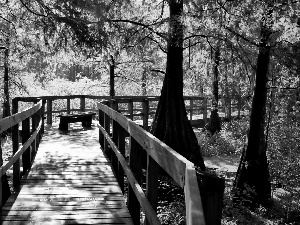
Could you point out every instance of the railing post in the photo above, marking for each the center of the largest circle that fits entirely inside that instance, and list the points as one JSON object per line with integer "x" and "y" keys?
{"x": 135, "y": 164}
{"x": 121, "y": 147}
{"x": 191, "y": 109}
{"x": 212, "y": 190}
{"x": 130, "y": 109}
{"x": 205, "y": 110}
{"x": 15, "y": 143}
{"x": 152, "y": 184}
{"x": 26, "y": 157}
{"x": 49, "y": 111}
{"x": 43, "y": 116}
{"x": 68, "y": 106}
{"x": 113, "y": 157}
{"x": 145, "y": 105}
{"x": 82, "y": 103}
{"x": 33, "y": 129}
{"x": 101, "y": 122}
{"x": 107, "y": 128}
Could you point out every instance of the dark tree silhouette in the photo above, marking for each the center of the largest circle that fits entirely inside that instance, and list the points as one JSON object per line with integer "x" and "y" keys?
{"x": 171, "y": 124}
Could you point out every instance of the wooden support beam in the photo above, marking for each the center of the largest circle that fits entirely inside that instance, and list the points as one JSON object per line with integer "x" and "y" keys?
{"x": 135, "y": 159}
{"x": 49, "y": 111}
{"x": 15, "y": 143}
{"x": 68, "y": 106}
{"x": 121, "y": 147}
{"x": 152, "y": 184}
{"x": 26, "y": 157}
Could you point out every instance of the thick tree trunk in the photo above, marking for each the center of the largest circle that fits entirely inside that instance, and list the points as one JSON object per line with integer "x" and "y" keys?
{"x": 252, "y": 181}
{"x": 215, "y": 122}
{"x": 171, "y": 124}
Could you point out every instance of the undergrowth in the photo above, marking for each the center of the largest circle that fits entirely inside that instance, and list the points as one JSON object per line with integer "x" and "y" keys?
{"x": 284, "y": 164}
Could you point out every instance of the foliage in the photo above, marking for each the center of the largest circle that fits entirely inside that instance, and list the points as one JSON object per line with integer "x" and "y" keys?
{"x": 229, "y": 141}
{"x": 284, "y": 151}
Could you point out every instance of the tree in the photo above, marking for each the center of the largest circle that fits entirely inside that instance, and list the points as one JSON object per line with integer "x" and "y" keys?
{"x": 171, "y": 124}
{"x": 253, "y": 179}
{"x": 215, "y": 122}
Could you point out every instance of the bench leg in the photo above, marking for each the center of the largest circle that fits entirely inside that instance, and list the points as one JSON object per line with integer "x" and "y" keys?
{"x": 63, "y": 125}
{"x": 87, "y": 123}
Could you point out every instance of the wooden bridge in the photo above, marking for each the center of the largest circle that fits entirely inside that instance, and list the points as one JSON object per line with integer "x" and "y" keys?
{"x": 68, "y": 178}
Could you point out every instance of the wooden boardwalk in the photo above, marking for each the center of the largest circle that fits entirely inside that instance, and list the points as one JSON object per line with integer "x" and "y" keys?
{"x": 70, "y": 182}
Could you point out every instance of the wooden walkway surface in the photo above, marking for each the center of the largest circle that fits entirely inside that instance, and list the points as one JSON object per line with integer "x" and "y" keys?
{"x": 70, "y": 182}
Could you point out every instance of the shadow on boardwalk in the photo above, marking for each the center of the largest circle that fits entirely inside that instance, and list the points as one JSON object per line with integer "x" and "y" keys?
{"x": 70, "y": 182}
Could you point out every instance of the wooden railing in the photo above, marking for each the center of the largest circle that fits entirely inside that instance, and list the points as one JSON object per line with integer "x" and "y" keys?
{"x": 132, "y": 106}
{"x": 32, "y": 120}
{"x": 201, "y": 208}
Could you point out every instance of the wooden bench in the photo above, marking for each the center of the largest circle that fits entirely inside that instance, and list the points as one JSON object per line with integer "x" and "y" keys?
{"x": 84, "y": 117}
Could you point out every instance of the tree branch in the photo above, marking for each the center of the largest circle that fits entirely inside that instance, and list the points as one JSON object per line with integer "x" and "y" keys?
{"x": 140, "y": 24}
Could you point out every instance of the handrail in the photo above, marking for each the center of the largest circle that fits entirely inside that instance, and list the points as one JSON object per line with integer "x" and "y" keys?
{"x": 36, "y": 115}
{"x": 178, "y": 167}
{"x": 193, "y": 105}
{"x": 10, "y": 121}
{"x": 22, "y": 149}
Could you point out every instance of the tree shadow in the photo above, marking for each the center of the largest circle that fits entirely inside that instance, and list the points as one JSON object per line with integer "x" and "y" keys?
{"x": 70, "y": 182}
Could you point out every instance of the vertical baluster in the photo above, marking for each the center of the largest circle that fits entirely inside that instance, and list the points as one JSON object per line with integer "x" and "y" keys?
{"x": 68, "y": 106}
{"x": 135, "y": 159}
{"x": 130, "y": 109}
{"x": 33, "y": 129}
{"x": 115, "y": 126}
{"x": 191, "y": 109}
{"x": 101, "y": 122}
{"x": 15, "y": 143}
{"x": 49, "y": 111}
{"x": 26, "y": 157}
{"x": 43, "y": 116}
{"x": 152, "y": 183}
{"x": 107, "y": 128}
{"x": 36, "y": 118}
{"x": 121, "y": 147}
{"x": 145, "y": 105}
{"x": 82, "y": 103}
{"x": 205, "y": 110}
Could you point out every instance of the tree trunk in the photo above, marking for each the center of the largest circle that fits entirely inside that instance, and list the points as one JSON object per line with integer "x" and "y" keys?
{"x": 171, "y": 124}
{"x": 112, "y": 77}
{"x": 6, "y": 112}
{"x": 6, "y": 106}
{"x": 215, "y": 122}
{"x": 144, "y": 83}
{"x": 252, "y": 181}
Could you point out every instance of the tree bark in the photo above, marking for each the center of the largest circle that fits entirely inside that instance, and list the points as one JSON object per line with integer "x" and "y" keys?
{"x": 6, "y": 106}
{"x": 252, "y": 181}
{"x": 6, "y": 112}
{"x": 144, "y": 83}
{"x": 215, "y": 122}
{"x": 171, "y": 124}
{"x": 112, "y": 77}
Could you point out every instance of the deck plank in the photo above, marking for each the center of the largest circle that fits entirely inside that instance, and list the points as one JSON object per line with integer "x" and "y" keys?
{"x": 70, "y": 182}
